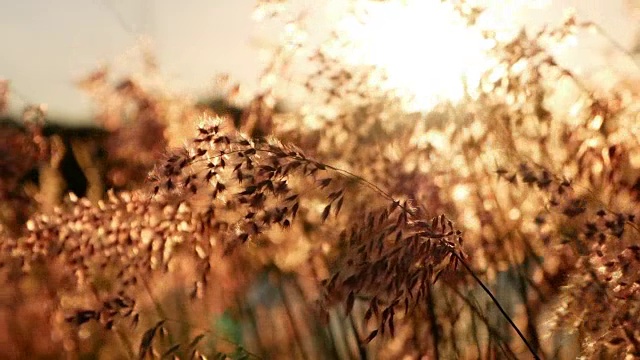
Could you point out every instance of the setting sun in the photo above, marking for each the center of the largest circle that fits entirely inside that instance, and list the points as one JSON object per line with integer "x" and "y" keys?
{"x": 425, "y": 48}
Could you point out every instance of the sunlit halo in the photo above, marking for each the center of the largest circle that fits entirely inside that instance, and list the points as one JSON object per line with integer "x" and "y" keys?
{"x": 426, "y": 50}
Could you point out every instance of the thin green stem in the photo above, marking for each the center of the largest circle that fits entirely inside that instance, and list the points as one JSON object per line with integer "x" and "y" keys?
{"x": 497, "y": 303}
{"x": 435, "y": 332}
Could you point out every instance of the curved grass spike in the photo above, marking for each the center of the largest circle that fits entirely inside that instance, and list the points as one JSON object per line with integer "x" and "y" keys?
{"x": 254, "y": 148}
{"x": 456, "y": 255}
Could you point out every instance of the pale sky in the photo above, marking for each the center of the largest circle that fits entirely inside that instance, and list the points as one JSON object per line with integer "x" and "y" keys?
{"x": 46, "y": 45}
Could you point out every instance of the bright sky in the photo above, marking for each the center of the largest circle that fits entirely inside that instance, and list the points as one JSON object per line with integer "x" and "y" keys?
{"x": 46, "y": 45}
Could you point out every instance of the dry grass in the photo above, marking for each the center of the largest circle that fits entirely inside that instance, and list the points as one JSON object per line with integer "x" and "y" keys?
{"x": 238, "y": 246}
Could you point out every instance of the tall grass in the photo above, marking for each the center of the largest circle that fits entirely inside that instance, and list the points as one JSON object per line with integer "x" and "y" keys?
{"x": 494, "y": 228}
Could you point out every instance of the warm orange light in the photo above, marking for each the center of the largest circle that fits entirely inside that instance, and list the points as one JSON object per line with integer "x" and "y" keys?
{"x": 425, "y": 48}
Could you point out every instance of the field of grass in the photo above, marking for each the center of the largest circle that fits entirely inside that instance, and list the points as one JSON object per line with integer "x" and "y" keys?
{"x": 501, "y": 226}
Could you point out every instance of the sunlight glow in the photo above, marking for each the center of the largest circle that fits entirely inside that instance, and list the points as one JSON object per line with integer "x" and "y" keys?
{"x": 460, "y": 192}
{"x": 425, "y": 48}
